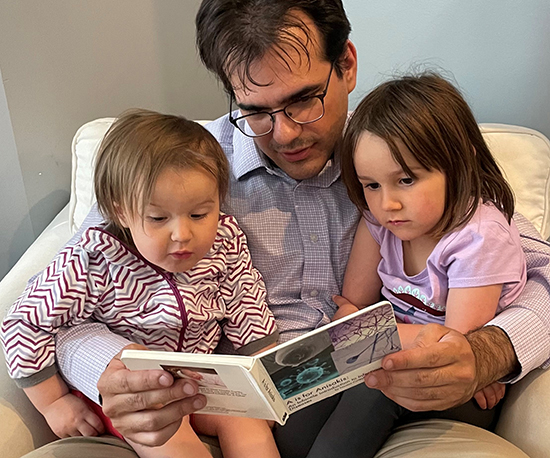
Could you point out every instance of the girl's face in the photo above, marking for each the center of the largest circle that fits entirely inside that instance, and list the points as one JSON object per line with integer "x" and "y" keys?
{"x": 408, "y": 207}
{"x": 180, "y": 221}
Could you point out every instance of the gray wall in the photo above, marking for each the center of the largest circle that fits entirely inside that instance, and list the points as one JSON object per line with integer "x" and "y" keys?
{"x": 15, "y": 226}
{"x": 497, "y": 50}
{"x": 66, "y": 62}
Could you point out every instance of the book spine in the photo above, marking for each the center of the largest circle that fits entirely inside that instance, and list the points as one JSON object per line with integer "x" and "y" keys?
{"x": 268, "y": 390}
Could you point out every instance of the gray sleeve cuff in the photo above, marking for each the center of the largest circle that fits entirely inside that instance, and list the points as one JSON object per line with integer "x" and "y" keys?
{"x": 36, "y": 378}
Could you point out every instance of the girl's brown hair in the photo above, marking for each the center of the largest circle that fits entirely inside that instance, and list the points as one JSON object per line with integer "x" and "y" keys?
{"x": 428, "y": 115}
{"x": 137, "y": 148}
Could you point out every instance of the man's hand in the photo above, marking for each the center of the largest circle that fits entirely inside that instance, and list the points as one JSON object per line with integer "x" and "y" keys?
{"x": 146, "y": 406}
{"x": 70, "y": 416}
{"x": 443, "y": 368}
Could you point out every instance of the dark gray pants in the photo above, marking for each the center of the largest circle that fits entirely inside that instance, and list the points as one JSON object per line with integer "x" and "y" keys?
{"x": 357, "y": 422}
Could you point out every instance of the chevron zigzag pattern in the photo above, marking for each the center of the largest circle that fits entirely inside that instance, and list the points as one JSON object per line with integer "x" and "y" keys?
{"x": 102, "y": 279}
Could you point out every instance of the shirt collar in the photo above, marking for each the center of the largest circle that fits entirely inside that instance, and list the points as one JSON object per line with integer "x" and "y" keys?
{"x": 246, "y": 155}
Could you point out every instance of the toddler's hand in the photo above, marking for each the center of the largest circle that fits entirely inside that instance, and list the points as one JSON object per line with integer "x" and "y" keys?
{"x": 490, "y": 396}
{"x": 345, "y": 307}
{"x": 70, "y": 416}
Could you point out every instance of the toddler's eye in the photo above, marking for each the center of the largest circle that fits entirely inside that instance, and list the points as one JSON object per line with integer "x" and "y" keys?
{"x": 156, "y": 219}
{"x": 199, "y": 215}
{"x": 407, "y": 181}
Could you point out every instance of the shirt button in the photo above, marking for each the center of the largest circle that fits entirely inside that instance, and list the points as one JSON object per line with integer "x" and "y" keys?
{"x": 313, "y": 237}
{"x": 314, "y": 293}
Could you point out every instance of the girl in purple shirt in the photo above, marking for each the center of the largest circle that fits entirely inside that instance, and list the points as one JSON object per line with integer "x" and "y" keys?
{"x": 436, "y": 239}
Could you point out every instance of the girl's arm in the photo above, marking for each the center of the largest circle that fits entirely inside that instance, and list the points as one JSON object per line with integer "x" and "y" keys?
{"x": 467, "y": 309}
{"x": 470, "y": 308}
{"x": 361, "y": 281}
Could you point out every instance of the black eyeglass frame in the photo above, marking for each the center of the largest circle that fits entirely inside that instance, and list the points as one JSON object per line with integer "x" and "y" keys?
{"x": 271, "y": 114}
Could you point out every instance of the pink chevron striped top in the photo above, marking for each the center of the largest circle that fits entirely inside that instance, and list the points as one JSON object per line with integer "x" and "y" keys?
{"x": 100, "y": 278}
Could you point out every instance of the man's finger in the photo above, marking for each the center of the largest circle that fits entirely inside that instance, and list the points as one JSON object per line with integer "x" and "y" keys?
{"x": 415, "y": 405}
{"x": 155, "y": 427}
{"x": 145, "y": 400}
{"x": 118, "y": 379}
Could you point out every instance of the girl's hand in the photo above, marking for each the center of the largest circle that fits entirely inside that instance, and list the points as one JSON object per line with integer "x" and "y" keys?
{"x": 490, "y": 396}
{"x": 70, "y": 416}
{"x": 345, "y": 307}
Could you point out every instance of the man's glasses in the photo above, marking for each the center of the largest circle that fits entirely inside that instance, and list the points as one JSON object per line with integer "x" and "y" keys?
{"x": 302, "y": 111}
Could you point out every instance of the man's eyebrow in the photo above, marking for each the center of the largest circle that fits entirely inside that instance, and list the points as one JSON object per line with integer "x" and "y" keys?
{"x": 304, "y": 92}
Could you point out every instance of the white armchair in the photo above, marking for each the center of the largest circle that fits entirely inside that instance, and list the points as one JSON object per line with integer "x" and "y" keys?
{"x": 524, "y": 155}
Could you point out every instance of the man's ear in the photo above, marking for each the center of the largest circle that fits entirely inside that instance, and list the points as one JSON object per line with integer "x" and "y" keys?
{"x": 348, "y": 63}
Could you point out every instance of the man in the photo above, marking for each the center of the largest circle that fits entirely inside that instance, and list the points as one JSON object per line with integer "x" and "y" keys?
{"x": 288, "y": 67}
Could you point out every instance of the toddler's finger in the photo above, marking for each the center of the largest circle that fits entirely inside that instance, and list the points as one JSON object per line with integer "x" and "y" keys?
{"x": 87, "y": 430}
{"x": 95, "y": 422}
{"x": 481, "y": 400}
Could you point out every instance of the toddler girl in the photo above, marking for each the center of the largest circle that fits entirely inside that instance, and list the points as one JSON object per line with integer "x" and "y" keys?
{"x": 166, "y": 270}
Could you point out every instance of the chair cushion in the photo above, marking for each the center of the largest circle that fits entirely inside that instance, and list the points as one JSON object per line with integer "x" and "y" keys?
{"x": 522, "y": 153}
{"x": 84, "y": 149}
{"x": 524, "y": 157}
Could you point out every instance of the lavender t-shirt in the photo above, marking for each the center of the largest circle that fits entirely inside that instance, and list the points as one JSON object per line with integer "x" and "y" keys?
{"x": 486, "y": 251}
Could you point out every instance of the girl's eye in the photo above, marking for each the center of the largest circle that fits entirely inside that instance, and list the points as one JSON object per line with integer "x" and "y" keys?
{"x": 199, "y": 215}
{"x": 407, "y": 181}
{"x": 371, "y": 186}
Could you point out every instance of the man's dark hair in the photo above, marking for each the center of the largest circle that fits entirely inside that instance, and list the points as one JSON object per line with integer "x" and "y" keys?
{"x": 232, "y": 35}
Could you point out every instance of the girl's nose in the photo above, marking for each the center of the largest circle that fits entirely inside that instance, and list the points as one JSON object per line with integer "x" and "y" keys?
{"x": 390, "y": 202}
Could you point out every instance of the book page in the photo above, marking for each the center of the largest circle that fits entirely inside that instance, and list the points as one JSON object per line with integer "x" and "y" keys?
{"x": 225, "y": 380}
{"x": 333, "y": 358}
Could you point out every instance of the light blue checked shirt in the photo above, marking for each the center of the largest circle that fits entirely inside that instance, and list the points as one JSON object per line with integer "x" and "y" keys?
{"x": 300, "y": 235}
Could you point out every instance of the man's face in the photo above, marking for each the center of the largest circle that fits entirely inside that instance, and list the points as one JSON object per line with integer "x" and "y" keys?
{"x": 300, "y": 150}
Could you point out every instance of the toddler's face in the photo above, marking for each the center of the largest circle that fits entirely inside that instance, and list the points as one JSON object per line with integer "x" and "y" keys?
{"x": 180, "y": 221}
{"x": 408, "y": 207}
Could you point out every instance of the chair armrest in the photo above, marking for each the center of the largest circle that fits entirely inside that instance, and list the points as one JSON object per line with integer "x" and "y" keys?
{"x": 524, "y": 417}
{"x": 23, "y": 428}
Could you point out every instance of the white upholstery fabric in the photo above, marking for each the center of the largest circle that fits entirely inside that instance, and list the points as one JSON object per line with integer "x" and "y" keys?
{"x": 84, "y": 149}
{"x": 524, "y": 157}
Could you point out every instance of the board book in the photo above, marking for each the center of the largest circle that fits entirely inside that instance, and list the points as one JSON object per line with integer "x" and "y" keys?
{"x": 277, "y": 382}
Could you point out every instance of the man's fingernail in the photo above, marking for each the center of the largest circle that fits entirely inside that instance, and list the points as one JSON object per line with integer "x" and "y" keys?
{"x": 198, "y": 403}
{"x": 388, "y": 365}
{"x": 164, "y": 380}
{"x": 189, "y": 389}
{"x": 371, "y": 381}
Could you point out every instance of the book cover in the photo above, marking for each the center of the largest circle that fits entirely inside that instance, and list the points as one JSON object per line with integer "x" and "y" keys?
{"x": 289, "y": 377}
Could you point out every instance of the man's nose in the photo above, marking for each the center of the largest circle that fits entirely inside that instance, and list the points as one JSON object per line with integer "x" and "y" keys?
{"x": 285, "y": 130}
